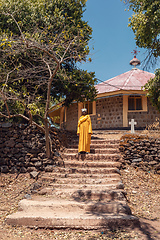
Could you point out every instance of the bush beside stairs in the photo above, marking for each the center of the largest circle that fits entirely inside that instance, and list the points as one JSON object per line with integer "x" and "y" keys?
{"x": 85, "y": 193}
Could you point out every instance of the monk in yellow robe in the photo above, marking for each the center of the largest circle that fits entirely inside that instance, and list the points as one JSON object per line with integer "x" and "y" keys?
{"x": 84, "y": 130}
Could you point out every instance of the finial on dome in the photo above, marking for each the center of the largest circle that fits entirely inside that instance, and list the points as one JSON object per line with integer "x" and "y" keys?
{"x": 134, "y": 62}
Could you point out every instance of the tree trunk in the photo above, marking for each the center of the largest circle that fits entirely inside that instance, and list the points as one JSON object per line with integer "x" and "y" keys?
{"x": 48, "y": 143}
{"x": 48, "y": 147}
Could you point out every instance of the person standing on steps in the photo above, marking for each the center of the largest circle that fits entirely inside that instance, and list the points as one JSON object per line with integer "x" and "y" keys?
{"x": 84, "y": 131}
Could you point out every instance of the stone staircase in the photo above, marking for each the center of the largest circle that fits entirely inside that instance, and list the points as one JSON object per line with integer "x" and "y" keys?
{"x": 85, "y": 193}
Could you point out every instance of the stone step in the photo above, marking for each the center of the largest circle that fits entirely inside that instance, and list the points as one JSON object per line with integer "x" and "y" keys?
{"x": 96, "y": 146}
{"x": 104, "y": 195}
{"x": 50, "y": 177}
{"x": 87, "y": 170}
{"x": 89, "y": 186}
{"x": 71, "y": 221}
{"x": 85, "y": 180}
{"x": 71, "y": 214}
{"x": 94, "y": 151}
{"x": 100, "y": 141}
{"x": 84, "y": 164}
{"x": 91, "y": 156}
{"x": 84, "y": 194}
{"x": 72, "y": 206}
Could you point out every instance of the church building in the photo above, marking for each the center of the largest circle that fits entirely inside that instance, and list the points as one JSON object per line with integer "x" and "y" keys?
{"x": 119, "y": 100}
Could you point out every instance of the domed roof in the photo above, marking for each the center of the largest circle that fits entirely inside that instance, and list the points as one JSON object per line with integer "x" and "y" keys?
{"x": 131, "y": 80}
{"x": 134, "y": 62}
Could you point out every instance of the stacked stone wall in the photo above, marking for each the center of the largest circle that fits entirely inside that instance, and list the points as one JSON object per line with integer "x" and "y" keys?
{"x": 141, "y": 151}
{"x": 22, "y": 148}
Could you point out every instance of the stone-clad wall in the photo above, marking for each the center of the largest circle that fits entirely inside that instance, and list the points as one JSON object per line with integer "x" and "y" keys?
{"x": 141, "y": 151}
{"x": 144, "y": 119}
{"x": 109, "y": 113}
{"x": 22, "y": 148}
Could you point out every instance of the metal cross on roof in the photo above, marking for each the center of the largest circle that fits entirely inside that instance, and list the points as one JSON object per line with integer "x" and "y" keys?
{"x": 135, "y": 52}
{"x": 134, "y": 62}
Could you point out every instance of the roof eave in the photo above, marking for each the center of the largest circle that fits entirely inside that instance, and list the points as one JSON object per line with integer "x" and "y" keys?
{"x": 121, "y": 92}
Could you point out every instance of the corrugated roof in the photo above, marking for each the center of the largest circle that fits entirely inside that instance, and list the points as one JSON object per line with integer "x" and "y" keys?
{"x": 131, "y": 80}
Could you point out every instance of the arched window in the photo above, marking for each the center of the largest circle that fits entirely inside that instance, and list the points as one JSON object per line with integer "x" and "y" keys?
{"x": 134, "y": 102}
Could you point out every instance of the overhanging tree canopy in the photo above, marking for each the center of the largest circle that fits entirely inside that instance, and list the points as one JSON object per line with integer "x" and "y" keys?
{"x": 44, "y": 21}
{"x": 145, "y": 23}
{"x": 153, "y": 88}
{"x": 33, "y": 55}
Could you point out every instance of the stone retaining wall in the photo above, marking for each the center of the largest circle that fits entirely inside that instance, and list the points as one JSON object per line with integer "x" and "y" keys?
{"x": 22, "y": 148}
{"x": 141, "y": 151}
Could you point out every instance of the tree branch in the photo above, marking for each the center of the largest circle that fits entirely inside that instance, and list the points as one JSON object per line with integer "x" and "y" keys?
{"x": 26, "y": 118}
{"x": 5, "y": 102}
{"x": 62, "y": 58}
{"x": 11, "y": 15}
{"x": 49, "y": 90}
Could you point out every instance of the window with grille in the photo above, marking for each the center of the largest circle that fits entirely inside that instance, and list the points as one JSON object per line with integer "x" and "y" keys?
{"x": 134, "y": 102}
{"x": 89, "y": 106}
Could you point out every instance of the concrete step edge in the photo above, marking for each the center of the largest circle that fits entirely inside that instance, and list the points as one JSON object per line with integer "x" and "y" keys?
{"x": 85, "y": 222}
{"x": 51, "y": 176}
{"x": 25, "y": 203}
{"x": 70, "y": 170}
{"x": 87, "y": 186}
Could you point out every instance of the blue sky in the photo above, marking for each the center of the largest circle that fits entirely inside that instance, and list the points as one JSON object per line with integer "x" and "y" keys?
{"x": 113, "y": 40}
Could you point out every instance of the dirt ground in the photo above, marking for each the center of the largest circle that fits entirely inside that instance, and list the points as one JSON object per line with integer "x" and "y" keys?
{"x": 143, "y": 196}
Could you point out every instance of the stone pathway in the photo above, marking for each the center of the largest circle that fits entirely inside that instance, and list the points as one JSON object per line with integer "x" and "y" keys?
{"x": 85, "y": 193}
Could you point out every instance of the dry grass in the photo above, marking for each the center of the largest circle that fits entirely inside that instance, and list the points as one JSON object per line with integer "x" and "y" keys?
{"x": 153, "y": 130}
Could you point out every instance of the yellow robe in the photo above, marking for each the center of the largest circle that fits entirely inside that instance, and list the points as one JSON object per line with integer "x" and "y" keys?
{"x": 84, "y": 130}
